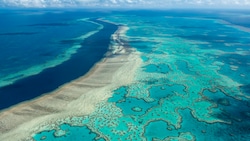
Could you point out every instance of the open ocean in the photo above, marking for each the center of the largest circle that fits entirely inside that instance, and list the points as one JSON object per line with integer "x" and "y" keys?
{"x": 193, "y": 83}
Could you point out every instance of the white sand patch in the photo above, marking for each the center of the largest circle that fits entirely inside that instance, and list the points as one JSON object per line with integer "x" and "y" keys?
{"x": 234, "y": 68}
{"x": 117, "y": 45}
{"x": 242, "y": 75}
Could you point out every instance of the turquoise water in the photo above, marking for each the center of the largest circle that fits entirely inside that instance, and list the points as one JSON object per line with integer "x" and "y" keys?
{"x": 193, "y": 83}
{"x": 64, "y": 134}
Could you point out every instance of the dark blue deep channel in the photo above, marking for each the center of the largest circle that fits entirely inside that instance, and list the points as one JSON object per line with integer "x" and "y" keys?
{"x": 92, "y": 51}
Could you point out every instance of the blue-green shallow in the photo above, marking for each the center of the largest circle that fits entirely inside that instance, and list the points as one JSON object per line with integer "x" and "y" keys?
{"x": 68, "y": 132}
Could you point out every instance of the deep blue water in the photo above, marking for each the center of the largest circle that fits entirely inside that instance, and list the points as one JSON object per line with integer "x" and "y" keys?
{"x": 36, "y": 40}
{"x": 42, "y": 35}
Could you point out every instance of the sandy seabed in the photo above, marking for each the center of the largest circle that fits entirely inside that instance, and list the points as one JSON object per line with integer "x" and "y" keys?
{"x": 76, "y": 98}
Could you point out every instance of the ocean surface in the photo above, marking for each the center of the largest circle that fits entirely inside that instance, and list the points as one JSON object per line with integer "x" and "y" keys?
{"x": 193, "y": 83}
